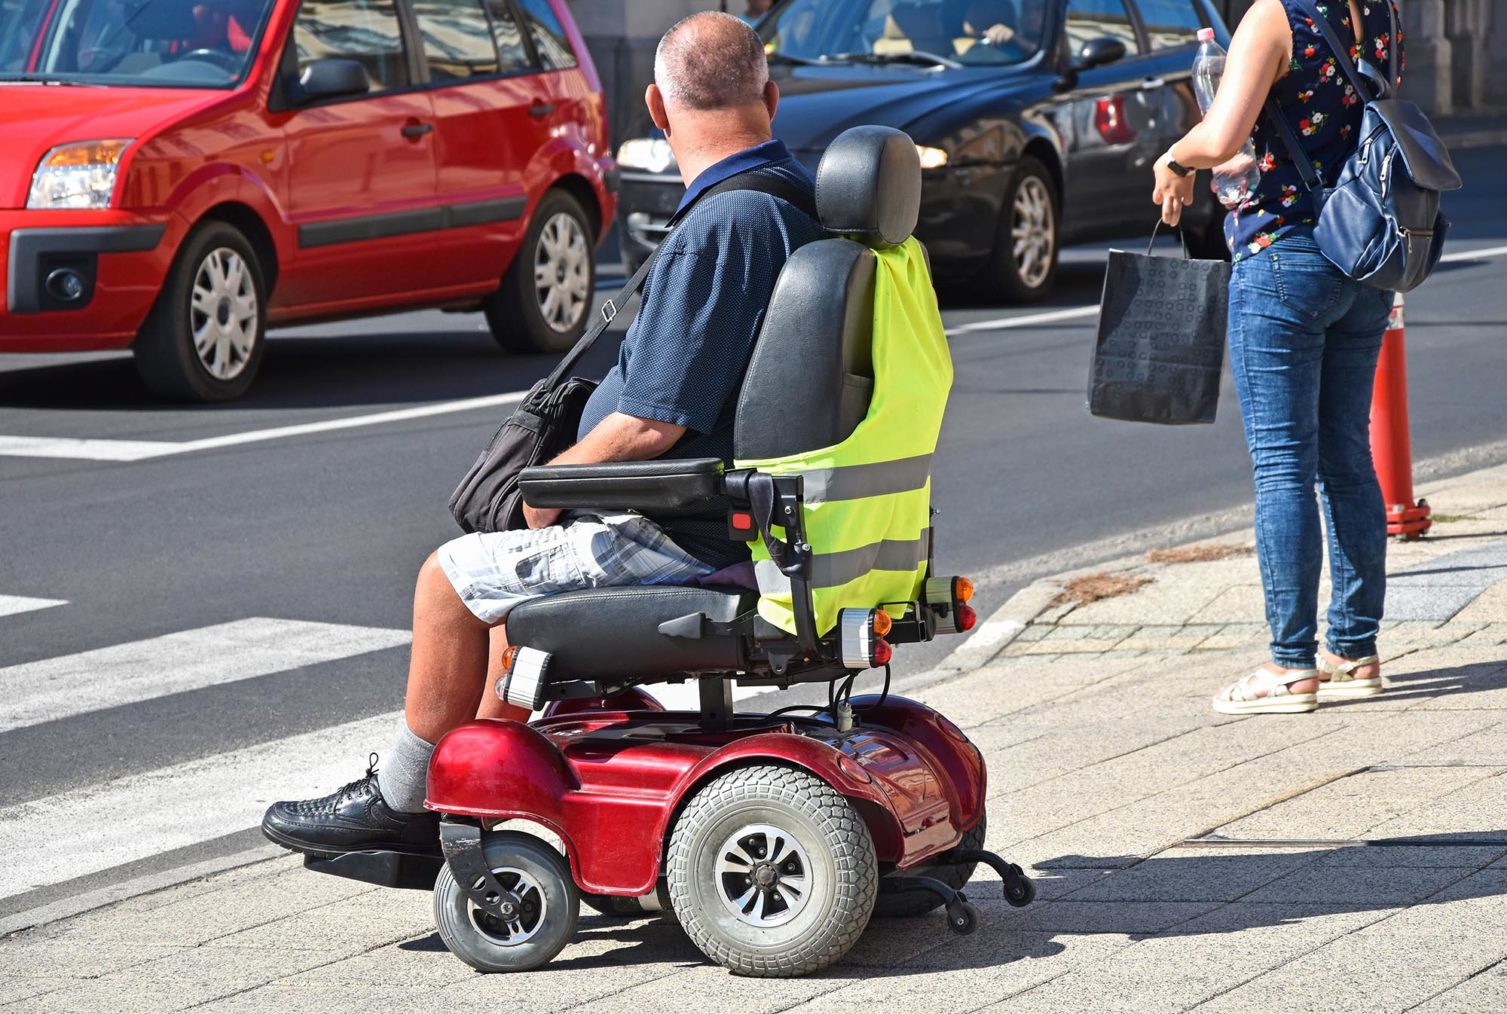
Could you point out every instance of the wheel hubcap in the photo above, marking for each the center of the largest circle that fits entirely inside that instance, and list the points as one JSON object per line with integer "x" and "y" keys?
{"x": 222, "y": 314}
{"x": 1032, "y": 232}
{"x": 763, "y": 875}
{"x": 520, "y": 912}
{"x": 562, "y": 272}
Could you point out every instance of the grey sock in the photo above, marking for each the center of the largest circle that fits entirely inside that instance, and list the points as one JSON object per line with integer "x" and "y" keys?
{"x": 403, "y": 775}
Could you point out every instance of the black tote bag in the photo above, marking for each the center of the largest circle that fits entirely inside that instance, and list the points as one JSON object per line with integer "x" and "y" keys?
{"x": 1160, "y": 345}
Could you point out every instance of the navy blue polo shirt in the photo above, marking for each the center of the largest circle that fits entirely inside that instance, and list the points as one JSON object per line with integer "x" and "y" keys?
{"x": 684, "y": 357}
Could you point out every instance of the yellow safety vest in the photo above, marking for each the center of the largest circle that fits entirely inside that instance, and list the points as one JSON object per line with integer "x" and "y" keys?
{"x": 868, "y": 499}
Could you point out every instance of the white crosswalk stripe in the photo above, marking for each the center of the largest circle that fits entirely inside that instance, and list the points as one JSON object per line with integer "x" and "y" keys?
{"x": 90, "y": 828}
{"x": 61, "y": 837}
{"x": 12, "y": 604}
{"x": 70, "y": 685}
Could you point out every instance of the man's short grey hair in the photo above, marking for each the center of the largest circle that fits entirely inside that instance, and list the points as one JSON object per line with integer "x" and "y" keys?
{"x": 711, "y": 60}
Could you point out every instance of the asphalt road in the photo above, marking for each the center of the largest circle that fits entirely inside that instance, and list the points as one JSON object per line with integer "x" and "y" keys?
{"x": 329, "y": 525}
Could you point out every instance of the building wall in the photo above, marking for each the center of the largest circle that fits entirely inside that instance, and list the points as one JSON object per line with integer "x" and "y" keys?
{"x": 1449, "y": 43}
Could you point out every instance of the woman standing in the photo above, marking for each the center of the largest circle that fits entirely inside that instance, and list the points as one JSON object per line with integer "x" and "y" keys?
{"x": 1304, "y": 339}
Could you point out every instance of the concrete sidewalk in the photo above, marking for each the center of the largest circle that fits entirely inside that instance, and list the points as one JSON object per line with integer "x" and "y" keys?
{"x": 1353, "y": 859}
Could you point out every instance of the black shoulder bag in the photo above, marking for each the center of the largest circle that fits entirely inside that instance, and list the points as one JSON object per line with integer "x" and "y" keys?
{"x": 545, "y": 423}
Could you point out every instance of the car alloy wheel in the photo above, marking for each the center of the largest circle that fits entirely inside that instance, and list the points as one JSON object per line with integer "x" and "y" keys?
{"x": 223, "y": 315}
{"x": 562, "y": 272}
{"x": 1032, "y": 232}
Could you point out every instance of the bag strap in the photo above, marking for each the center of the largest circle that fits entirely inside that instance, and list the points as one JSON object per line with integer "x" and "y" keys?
{"x": 749, "y": 179}
{"x": 1294, "y": 147}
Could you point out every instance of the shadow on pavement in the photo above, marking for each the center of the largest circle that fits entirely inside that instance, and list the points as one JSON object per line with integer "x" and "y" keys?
{"x": 309, "y": 372}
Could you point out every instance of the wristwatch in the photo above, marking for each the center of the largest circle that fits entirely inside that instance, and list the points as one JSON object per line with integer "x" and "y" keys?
{"x": 1176, "y": 166}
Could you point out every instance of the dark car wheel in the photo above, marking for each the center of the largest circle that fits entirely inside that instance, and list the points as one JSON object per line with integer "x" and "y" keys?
{"x": 203, "y": 339}
{"x": 545, "y": 296}
{"x": 1024, "y": 265}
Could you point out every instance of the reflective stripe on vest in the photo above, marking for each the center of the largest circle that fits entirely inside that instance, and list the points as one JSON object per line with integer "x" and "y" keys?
{"x": 868, "y": 499}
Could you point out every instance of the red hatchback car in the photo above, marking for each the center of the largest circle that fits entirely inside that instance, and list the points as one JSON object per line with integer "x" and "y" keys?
{"x": 180, "y": 174}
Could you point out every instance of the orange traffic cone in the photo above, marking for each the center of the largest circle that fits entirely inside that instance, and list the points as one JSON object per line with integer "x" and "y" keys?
{"x": 1391, "y": 445}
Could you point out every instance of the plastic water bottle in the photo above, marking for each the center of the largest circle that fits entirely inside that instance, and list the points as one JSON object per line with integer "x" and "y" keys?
{"x": 1239, "y": 183}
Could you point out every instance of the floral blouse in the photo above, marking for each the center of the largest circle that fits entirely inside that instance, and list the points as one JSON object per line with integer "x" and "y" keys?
{"x": 1323, "y": 109}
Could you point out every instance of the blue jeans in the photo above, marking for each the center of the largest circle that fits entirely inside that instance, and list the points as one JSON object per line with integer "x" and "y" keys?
{"x": 1304, "y": 340}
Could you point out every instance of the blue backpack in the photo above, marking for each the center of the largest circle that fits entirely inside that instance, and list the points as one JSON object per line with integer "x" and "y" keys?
{"x": 1380, "y": 223}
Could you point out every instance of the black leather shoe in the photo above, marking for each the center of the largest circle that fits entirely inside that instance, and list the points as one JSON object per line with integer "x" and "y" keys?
{"x": 354, "y": 818}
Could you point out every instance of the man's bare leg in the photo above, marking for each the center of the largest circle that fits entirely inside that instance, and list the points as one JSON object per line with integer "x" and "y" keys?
{"x": 448, "y": 668}
{"x": 446, "y": 675}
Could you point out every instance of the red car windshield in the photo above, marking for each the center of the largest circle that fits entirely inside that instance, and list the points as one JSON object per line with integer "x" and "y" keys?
{"x": 144, "y": 43}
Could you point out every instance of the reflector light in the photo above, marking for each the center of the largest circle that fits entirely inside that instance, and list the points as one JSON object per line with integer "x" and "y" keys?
{"x": 966, "y": 618}
{"x": 882, "y": 622}
{"x": 742, "y": 522}
{"x": 964, "y": 590}
{"x": 882, "y": 652}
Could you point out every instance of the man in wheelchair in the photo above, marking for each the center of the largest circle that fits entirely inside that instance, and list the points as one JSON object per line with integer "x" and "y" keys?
{"x": 789, "y": 381}
{"x": 671, "y": 395}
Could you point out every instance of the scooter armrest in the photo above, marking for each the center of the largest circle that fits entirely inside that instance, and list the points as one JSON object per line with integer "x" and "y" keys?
{"x": 659, "y": 484}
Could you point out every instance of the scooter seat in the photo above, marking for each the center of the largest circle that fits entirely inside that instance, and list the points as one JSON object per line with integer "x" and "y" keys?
{"x": 642, "y": 633}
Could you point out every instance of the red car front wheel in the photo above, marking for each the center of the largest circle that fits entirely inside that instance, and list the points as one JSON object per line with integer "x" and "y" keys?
{"x": 203, "y": 339}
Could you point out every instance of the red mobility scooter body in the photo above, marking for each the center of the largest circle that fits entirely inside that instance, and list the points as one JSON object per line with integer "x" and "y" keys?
{"x": 609, "y": 776}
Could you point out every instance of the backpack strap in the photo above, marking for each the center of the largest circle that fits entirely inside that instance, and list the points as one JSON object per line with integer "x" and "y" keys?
{"x": 749, "y": 179}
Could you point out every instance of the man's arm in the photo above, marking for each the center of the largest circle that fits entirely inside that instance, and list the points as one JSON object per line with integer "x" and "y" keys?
{"x": 619, "y": 437}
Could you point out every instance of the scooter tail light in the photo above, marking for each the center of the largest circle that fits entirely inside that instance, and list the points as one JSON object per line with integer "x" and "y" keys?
{"x": 882, "y": 652}
{"x": 855, "y": 638}
{"x": 527, "y": 680}
{"x": 967, "y": 618}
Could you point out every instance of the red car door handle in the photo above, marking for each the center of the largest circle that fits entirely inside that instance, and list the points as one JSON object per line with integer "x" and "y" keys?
{"x": 414, "y": 131}
{"x": 541, "y": 109}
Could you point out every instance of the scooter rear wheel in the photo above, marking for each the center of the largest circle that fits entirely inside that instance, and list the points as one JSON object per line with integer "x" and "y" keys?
{"x": 772, "y": 872}
{"x": 550, "y": 904}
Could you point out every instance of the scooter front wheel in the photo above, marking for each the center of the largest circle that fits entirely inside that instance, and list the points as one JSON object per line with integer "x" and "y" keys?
{"x": 548, "y": 904}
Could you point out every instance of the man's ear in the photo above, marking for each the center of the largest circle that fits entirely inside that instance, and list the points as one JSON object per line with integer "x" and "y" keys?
{"x": 771, "y": 98}
{"x": 655, "y": 100}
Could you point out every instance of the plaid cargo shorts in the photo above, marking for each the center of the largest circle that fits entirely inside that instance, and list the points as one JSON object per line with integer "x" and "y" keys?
{"x": 494, "y": 571}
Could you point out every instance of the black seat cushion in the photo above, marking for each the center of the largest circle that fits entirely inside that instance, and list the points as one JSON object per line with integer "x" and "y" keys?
{"x": 613, "y": 633}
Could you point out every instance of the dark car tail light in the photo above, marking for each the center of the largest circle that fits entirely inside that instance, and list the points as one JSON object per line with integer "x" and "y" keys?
{"x": 1109, "y": 120}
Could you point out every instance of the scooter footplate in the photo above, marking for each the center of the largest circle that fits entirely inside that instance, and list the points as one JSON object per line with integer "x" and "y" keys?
{"x": 386, "y": 869}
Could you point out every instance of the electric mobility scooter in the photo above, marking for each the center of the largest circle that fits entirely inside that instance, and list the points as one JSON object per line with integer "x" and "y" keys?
{"x": 771, "y": 837}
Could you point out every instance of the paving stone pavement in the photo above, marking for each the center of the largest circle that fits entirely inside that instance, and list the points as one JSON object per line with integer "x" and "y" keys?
{"x": 1354, "y": 859}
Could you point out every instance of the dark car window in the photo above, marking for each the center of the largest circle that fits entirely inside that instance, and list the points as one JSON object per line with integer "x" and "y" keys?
{"x": 1169, "y": 23}
{"x": 198, "y": 43}
{"x": 511, "y": 51}
{"x": 548, "y": 35}
{"x": 1097, "y": 19}
{"x": 363, "y": 30}
{"x": 457, "y": 39}
{"x": 966, "y": 31}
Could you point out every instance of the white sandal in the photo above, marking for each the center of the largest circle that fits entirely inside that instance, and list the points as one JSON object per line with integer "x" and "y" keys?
{"x": 1338, "y": 682}
{"x": 1263, "y": 692}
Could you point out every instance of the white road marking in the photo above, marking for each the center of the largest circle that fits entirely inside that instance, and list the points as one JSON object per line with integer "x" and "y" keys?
{"x": 69, "y": 685}
{"x": 142, "y": 450}
{"x": 1472, "y": 255}
{"x": 1052, "y": 316}
{"x": 58, "y": 838}
{"x": 1025, "y": 320}
{"x": 12, "y": 604}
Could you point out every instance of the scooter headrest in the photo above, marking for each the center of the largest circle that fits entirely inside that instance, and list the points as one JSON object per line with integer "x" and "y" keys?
{"x": 868, "y": 186}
